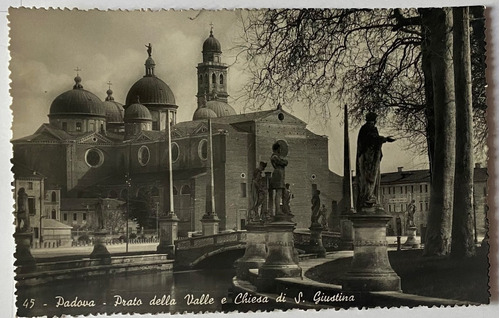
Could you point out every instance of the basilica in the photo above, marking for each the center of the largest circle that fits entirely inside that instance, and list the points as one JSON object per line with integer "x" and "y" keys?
{"x": 92, "y": 149}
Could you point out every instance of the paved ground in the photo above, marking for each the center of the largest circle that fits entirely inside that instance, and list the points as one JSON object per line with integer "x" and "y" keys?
{"x": 86, "y": 250}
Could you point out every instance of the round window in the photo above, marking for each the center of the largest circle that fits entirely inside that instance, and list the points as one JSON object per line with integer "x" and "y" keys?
{"x": 94, "y": 158}
{"x": 203, "y": 149}
{"x": 143, "y": 155}
{"x": 175, "y": 151}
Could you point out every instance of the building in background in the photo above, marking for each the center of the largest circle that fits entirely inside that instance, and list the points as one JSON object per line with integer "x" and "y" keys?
{"x": 92, "y": 149}
{"x": 398, "y": 189}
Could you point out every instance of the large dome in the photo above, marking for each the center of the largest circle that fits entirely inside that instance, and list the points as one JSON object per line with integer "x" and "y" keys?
{"x": 137, "y": 112}
{"x": 204, "y": 113}
{"x": 114, "y": 110}
{"x": 150, "y": 90}
{"x": 221, "y": 108}
{"x": 77, "y": 102}
{"x": 211, "y": 44}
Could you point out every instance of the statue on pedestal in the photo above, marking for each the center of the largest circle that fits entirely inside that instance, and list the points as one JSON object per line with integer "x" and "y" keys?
{"x": 368, "y": 157}
{"x": 287, "y": 197}
{"x": 410, "y": 221}
{"x": 280, "y": 149}
{"x": 258, "y": 192}
{"x": 316, "y": 203}
{"x": 23, "y": 218}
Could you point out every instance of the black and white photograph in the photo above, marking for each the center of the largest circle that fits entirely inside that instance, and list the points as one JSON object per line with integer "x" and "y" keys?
{"x": 214, "y": 161}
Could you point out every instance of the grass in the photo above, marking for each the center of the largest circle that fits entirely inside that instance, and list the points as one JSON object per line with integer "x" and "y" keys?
{"x": 435, "y": 276}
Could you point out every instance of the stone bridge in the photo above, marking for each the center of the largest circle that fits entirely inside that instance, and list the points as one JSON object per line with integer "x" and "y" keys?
{"x": 189, "y": 252}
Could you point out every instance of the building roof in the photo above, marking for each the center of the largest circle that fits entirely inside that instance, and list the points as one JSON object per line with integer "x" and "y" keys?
{"x": 137, "y": 112}
{"x": 54, "y": 224}
{"x": 211, "y": 44}
{"x": 114, "y": 110}
{"x": 151, "y": 91}
{"x": 221, "y": 108}
{"x": 77, "y": 102}
{"x": 423, "y": 176}
{"x": 204, "y": 113}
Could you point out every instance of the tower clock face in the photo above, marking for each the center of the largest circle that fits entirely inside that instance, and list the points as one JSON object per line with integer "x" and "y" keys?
{"x": 143, "y": 155}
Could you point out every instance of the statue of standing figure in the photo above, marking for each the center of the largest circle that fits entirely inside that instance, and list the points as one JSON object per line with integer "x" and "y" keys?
{"x": 316, "y": 203}
{"x": 368, "y": 157}
{"x": 322, "y": 214}
{"x": 280, "y": 149}
{"x": 410, "y": 217}
{"x": 99, "y": 214}
{"x": 149, "y": 49}
{"x": 258, "y": 192}
{"x": 23, "y": 218}
{"x": 287, "y": 197}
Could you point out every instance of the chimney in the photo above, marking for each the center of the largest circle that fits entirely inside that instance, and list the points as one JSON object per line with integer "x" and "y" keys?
{"x": 478, "y": 165}
{"x": 400, "y": 169}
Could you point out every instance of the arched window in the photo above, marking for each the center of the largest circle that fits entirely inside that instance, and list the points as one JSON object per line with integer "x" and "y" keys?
{"x": 214, "y": 80}
{"x": 206, "y": 79}
{"x": 203, "y": 149}
{"x": 186, "y": 189}
{"x": 221, "y": 79}
{"x": 54, "y": 197}
{"x": 54, "y": 214}
{"x": 200, "y": 79}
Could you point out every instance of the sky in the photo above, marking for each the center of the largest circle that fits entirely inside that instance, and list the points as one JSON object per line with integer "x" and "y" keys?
{"x": 46, "y": 47}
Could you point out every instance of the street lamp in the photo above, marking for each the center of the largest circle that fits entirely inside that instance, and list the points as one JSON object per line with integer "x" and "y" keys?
{"x": 128, "y": 183}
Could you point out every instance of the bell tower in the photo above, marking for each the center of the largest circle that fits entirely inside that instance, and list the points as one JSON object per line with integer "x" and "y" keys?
{"x": 212, "y": 73}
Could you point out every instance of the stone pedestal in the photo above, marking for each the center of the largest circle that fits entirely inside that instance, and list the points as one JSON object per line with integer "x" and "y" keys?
{"x": 100, "y": 250}
{"x": 24, "y": 259}
{"x": 210, "y": 224}
{"x": 346, "y": 232}
{"x": 282, "y": 259}
{"x": 316, "y": 242}
{"x": 255, "y": 251}
{"x": 370, "y": 268}
{"x": 168, "y": 226}
{"x": 411, "y": 241}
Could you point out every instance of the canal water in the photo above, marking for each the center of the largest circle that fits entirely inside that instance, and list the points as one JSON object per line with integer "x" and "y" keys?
{"x": 152, "y": 292}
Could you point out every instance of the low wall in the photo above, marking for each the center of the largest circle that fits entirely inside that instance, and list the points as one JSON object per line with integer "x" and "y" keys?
{"x": 86, "y": 267}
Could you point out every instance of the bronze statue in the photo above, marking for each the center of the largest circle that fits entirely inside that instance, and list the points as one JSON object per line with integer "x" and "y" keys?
{"x": 278, "y": 177}
{"x": 287, "y": 197}
{"x": 368, "y": 157}
{"x": 410, "y": 221}
{"x": 150, "y": 49}
{"x": 258, "y": 192}
{"x": 316, "y": 203}
{"x": 23, "y": 218}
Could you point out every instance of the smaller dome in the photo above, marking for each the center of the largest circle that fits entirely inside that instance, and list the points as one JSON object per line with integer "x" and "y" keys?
{"x": 211, "y": 44}
{"x": 204, "y": 113}
{"x": 137, "y": 112}
{"x": 77, "y": 102}
{"x": 221, "y": 108}
{"x": 114, "y": 112}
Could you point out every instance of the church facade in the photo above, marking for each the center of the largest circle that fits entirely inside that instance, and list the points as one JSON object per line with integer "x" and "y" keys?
{"x": 102, "y": 149}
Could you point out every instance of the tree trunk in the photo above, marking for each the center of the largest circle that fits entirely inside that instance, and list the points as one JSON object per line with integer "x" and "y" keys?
{"x": 440, "y": 24}
{"x": 429, "y": 95}
{"x": 462, "y": 237}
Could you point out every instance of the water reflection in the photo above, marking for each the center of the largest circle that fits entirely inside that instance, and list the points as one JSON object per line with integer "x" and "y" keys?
{"x": 128, "y": 293}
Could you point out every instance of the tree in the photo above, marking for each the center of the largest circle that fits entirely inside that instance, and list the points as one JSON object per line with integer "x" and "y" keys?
{"x": 395, "y": 62}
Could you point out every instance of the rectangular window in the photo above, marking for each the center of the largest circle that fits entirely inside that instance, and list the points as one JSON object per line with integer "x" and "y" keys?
{"x": 31, "y": 206}
{"x": 401, "y": 190}
{"x": 421, "y": 206}
{"x": 54, "y": 216}
{"x": 78, "y": 126}
{"x": 389, "y": 190}
{"x": 390, "y": 208}
{"x": 420, "y": 188}
{"x": 84, "y": 216}
{"x": 243, "y": 190}
{"x": 74, "y": 216}
{"x": 427, "y": 206}
{"x": 30, "y": 185}
{"x": 65, "y": 216}
{"x": 35, "y": 229}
